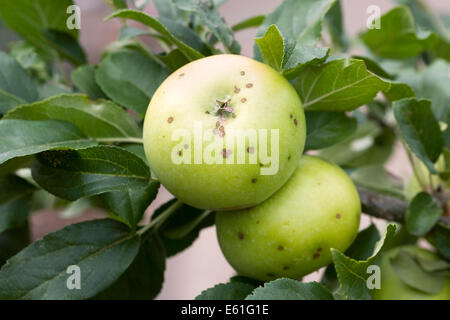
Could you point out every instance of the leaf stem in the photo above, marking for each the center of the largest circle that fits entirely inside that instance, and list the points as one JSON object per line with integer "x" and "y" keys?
{"x": 156, "y": 223}
{"x": 121, "y": 139}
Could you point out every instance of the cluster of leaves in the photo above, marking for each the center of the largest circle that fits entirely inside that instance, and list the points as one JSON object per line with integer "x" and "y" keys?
{"x": 75, "y": 139}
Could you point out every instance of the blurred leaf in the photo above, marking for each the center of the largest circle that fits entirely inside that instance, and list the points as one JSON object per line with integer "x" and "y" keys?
{"x": 76, "y": 208}
{"x": 99, "y": 119}
{"x": 422, "y": 214}
{"x": 376, "y": 178}
{"x": 40, "y": 270}
{"x": 127, "y": 32}
{"x": 67, "y": 45}
{"x": 16, "y": 86}
{"x": 248, "y": 23}
{"x": 156, "y": 25}
{"x": 21, "y": 138}
{"x": 420, "y": 129}
{"x": 12, "y": 241}
{"x": 352, "y": 274}
{"x": 29, "y": 59}
{"x": 144, "y": 277}
{"x": 334, "y": 22}
{"x": 84, "y": 79}
{"x": 15, "y": 196}
{"x": 134, "y": 71}
{"x": 433, "y": 84}
{"x": 410, "y": 273}
{"x": 441, "y": 237}
{"x": 289, "y": 289}
{"x": 31, "y": 18}
{"x": 327, "y": 128}
{"x": 71, "y": 174}
{"x": 210, "y": 17}
{"x": 398, "y": 90}
{"x": 339, "y": 85}
{"x": 181, "y": 220}
{"x": 397, "y": 38}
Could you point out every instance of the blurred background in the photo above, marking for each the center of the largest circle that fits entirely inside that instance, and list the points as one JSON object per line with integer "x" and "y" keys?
{"x": 202, "y": 265}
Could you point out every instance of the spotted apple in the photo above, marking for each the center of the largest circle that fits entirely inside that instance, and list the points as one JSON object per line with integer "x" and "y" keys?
{"x": 392, "y": 287}
{"x": 224, "y": 132}
{"x": 291, "y": 233}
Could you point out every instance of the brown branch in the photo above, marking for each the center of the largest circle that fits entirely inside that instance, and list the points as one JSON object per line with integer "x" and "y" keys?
{"x": 386, "y": 207}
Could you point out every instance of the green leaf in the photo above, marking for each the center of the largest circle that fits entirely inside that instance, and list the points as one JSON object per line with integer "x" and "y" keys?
{"x": 144, "y": 277}
{"x": 174, "y": 60}
{"x": 433, "y": 84}
{"x": 300, "y": 24}
{"x": 130, "y": 204}
{"x": 411, "y": 273}
{"x": 210, "y": 17}
{"x": 376, "y": 178}
{"x": 271, "y": 46}
{"x": 71, "y": 174}
{"x": 353, "y": 274}
{"x": 374, "y": 67}
{"x": 422, "y": 214}
{"x": 139, "y": 74}
{"x": 248, "y": 23}
{"x": 40, "y": 270}
{"x": 16, "y": 86}
{"x": 153, "y": 23}
{"x": 227, "y": 291}
{"x": 12, "y": 241}
{"x": 15, "y": 199}
{"x": 289, "y": 289}
{"x": 98, "y": 119}
{"x": 67, "y": 45}
{"x": 398, "y": 90}
{"x": 339, "y": 85}
{"x": 362, "y": 248}
{"x": 127, "y": 33}
{"x": 21, "y": 138}
{"x": 420, "y": 129}
{"x": 185, "y": 218}
{"x": 324, "y": 129}
{"x": 441, "y": 237}
{"x": 397, "y": 37}
{"x": 84, "y": 79}
{"x": 31, "y": 18}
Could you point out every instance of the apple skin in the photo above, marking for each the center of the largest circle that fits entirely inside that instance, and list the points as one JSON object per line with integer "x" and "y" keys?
{"x": 260, "y": 98}
{"x": 291, "y": 233}
{"x": 392, "y": 287}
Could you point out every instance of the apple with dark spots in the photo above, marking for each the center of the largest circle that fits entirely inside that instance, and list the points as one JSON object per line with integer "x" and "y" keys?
{"x": 224, "y": 132}
{"x": 291, "y": 233}
{"x": 393, "y": 288}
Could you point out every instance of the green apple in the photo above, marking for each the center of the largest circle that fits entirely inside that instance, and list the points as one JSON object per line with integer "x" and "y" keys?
{"x": 291, "y": 233}
{"x": 224, "y": 132}
{"x": 393, "y": 288}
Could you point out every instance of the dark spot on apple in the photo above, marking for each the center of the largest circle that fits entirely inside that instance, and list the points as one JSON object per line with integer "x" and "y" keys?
{"x": 236, "y": 90}
{"x": 224, "y": 153}
{"x": 270, "y": 274}
{"x": 291, "y": 116}
{"x": 207, "y": 112}
{"x": 181, "y": 75}
{"x": 257, "y": 221}
{"x": 233, "y": 115}
{"x": 180, "y": 153}
{"x": 295, "y": 122}
{"x": 319, "y": 249}
{"x": 186, "y": 146}
{"x": 261, "y": 165}
{"x": 170, "y": 120}
{"x": 316, "y": 255}
{"x": 240, "y": 235}
{"x": 249, "y": 85}
{"x": 285, "y": 268}
{"x": 254, "y": 180}
{"x": 338, "y": 216}
{"x": 217, "y": 124}
{"x": 289, "y": 158}
{"x": 221, "y": 133}
{"x": 280, "y": 248}
{"x": 243, "y": 100}
{"x": 250, "y": 149}
{"x": 242, "y": 73}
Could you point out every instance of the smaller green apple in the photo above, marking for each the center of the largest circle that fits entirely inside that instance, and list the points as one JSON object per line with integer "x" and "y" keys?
{"x": 291, "y": 233}
{"x": 393, "y": 288}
